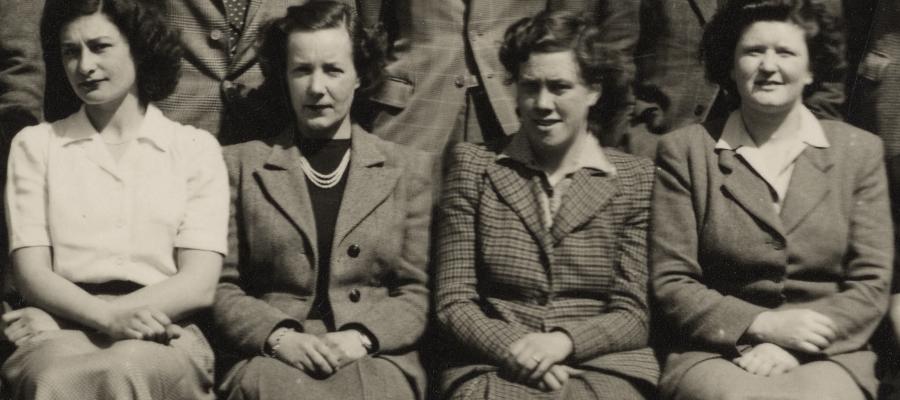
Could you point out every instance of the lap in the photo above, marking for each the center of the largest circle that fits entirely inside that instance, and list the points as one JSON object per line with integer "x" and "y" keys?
{"x": 718, "y": 378}
{"x": 270, "y": 379}
{"x": 591, "y": 385}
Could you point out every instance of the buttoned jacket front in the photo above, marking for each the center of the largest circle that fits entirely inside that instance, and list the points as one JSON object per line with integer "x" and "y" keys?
{"x": 380, "y": 249}
{"x": 501, "y": 274}
{"x": 721, "y": 255}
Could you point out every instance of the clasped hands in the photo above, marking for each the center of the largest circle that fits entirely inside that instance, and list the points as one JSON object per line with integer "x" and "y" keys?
{"x": 142, "y": 323}
{"x": 780, "y": 332}
{"x": 536, "y": 358}
{"x": 319, "y": 355}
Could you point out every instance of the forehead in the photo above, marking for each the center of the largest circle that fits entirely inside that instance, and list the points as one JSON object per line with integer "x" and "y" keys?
{"x": 551, "y": 66}
{"x": 89, "y": 27}
{"x": 781, "y": 32}
{"x": 332, "y": 44}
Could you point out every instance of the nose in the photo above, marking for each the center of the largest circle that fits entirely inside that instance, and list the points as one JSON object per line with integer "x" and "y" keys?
{"x": 543, "y": 100}
{"x": 316, "y": 83}
{"x": 769, "y": 61}
{"x": 87, "y": 63}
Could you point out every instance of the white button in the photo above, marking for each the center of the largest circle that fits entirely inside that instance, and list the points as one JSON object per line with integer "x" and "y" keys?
{"x": 215, "y": 34}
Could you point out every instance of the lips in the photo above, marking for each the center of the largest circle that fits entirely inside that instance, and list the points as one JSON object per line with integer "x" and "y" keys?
{"x": 546, "y": 122}
{"x": 91, "y": 83}
{"x": 317, "y": 107}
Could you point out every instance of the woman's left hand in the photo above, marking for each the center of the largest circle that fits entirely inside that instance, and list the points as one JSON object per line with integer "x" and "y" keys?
{"x": 767, "y": 359}
{"x": 347, "y": 344}
{"x": 23, "y": 324}
{"x": 535, "y": 353}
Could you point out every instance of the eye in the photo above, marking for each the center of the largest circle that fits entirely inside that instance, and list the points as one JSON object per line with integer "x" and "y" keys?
{"x": 333, "y": 70}
{"x": 99, "y": 47}
{"x": 559, "y": 87}
{"x": 69, "y": 51}
{"x": 301, "y": 70}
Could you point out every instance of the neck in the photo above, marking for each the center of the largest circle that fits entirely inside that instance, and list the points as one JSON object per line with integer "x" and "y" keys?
{"x": 117, "y": 119}
{"x": 554, "y": 160}
{"x": 340, "y": 131}
{"x": 763, "y": 125}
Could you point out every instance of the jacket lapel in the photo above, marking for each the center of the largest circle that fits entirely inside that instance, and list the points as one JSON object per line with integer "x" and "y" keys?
{"x": 589, "y": 192}
{"x": 284, "y": 182}
{"x": 518, "y": 191}
{"x": 748, "y": 190}
{"x": 705, "y": 9}
{"x": 368, "y": 184}
{"x": 808, "y": 186}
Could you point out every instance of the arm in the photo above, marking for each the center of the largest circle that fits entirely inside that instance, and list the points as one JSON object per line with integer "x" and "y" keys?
{"x": 864, "y": 296}
{"x": 243, "y": 319}
{"x": 625, "y": 324}
{"x": 398, "y": 321}
{"x": 700, "y": 314}
{"x": 459, "y": 310}
{"x": 21, "y": 65}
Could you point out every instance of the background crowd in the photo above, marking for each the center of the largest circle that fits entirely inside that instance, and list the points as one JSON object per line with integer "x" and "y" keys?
{"x": 588, "y": 164}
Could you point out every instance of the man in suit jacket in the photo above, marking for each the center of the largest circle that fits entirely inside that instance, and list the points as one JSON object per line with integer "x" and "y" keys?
{"x": 670, "y": 87}
{"x": 221, "y": 69}
{"x": 446, "y": 83}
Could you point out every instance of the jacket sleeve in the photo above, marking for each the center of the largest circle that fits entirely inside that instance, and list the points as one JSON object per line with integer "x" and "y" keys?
{"x": 702, "y": 315}
{"x": 243, "y": 320}
{"x": 459, "y": 310}
{"x": 21, "y": 65}
{"x": 865, "y": 292}
{"x": 625, "y": 323}
{"x": 398, "y": 321}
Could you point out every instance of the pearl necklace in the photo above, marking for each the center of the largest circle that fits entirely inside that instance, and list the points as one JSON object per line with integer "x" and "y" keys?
{"x": 325, "y": 181}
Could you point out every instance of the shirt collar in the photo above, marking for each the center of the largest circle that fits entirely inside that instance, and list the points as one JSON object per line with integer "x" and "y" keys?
{"x": 152, "y": 129}
{"x": 591, "y": 155}
{"x": 735, "y": 135}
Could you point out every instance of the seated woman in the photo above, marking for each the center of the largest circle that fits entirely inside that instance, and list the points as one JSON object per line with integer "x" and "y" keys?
{"x": 117, "y": 219}
{"x": 541, "y": 269}
{"x": 772, "y": 241}
{"x": 323, "y": 294}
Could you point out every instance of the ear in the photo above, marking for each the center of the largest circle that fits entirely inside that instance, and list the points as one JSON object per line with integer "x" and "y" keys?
{"x": 356, "y": 85}
{"x": 594, "y": 93}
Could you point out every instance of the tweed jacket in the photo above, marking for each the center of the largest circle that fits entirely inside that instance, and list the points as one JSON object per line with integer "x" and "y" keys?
{"x": 671, "y": 88}
{"x": 216, "y": 90}
{"x": 721, "y": 255}
{"x": 437, "y": 43}
{"x": 501, "y": 274}
{"x": 378, "y": 265}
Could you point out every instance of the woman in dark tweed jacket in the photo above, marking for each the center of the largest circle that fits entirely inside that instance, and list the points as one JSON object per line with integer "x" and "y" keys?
{"x": 541, "y": 268}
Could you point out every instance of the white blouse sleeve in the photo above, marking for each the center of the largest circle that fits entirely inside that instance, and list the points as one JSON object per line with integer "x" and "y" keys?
{"x": 26, "y": 188}
{"x": 205, "y": 222}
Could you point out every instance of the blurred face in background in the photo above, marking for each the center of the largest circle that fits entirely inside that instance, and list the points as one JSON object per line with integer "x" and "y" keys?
{"x": 97, "y": 60}
{"x": 771, "y": 66}
{"x": 321, "y": 79}
{"x": 553, "y": 100}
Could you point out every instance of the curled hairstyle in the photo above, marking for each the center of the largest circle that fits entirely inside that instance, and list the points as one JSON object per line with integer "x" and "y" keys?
{"x": 369, "y": 47}
{"x": 599, "y": 65}
{"x": 823, "y": 35}
{"x": 155, "y": 48}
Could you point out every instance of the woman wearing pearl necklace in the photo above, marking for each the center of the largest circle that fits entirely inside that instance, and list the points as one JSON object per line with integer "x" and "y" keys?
{"x": 323, "y": 294}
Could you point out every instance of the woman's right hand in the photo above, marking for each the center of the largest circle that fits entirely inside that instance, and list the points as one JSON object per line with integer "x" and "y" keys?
{"x": 141, "y": 323}
{"x": 307, "y": 353}
{"x": 23, "y": 324}
{"x": 797, "y": 329}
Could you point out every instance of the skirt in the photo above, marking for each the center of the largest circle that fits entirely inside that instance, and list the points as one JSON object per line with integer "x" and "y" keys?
{"x": 266, "y": 378}
{"x": 73, "y": 364}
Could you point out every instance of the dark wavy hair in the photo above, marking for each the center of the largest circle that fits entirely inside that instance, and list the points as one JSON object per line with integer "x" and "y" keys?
{"x": 155, "y": 48}
{"x": 599, "y": 65}
{"x": 369, "y": 48}
{"x": 824, "y": 39}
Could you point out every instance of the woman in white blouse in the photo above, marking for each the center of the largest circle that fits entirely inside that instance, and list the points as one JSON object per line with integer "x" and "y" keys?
{"x": 117, "y": 219}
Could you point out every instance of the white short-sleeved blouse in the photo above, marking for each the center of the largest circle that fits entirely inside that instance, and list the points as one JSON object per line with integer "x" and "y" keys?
{"x": 108, "y": 220}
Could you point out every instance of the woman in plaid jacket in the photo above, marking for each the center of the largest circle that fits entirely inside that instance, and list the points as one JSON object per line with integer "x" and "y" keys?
{"x": 541, "y": 281}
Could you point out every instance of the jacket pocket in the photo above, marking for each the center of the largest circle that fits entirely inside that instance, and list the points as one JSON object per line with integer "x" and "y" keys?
{"x": 394, "y": 92}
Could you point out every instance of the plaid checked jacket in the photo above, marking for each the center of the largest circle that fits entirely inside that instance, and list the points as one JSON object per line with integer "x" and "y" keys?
{"x": 501, "y": 274}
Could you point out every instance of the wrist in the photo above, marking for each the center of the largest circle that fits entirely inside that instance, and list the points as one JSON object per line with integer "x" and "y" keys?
{"x": 365, "y": 341}
{"x": 273, "y": 342}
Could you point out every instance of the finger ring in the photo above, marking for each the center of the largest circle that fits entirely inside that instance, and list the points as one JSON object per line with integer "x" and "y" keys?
{"x": 536, "y": 359}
